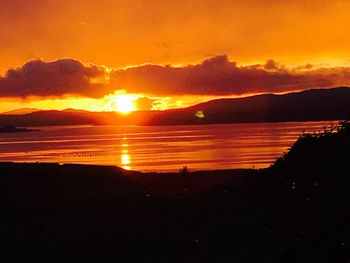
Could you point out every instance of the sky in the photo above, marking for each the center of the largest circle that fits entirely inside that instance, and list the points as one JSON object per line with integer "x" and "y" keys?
{"x": 166, "y": 54}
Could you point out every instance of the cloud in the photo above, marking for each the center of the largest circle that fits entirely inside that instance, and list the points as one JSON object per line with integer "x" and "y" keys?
{"x": 271, "y": 65}
{"x": 215, "y": 76}
{"x": 219, "y": 76}
{"x": 54, "y": 79}
{"x": 144, "y": 103}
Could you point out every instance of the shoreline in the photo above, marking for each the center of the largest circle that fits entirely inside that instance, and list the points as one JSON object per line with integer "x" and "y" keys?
{"x": 170, "y": 183}
{"x": 190, "y": 172}
{"x": 176, "y": 125}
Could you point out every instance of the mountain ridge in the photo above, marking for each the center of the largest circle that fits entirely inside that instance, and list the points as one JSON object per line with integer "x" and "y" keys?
{"x": 308, "y": 105}
{"x": 20, "y": 111}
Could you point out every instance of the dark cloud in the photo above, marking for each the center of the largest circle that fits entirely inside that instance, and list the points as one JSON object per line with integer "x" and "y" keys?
{"x": 214, "y": 76}
{"x": 54, "y": 79}
{"x": 219, "y": 76}
{"x": 271, "y": 65}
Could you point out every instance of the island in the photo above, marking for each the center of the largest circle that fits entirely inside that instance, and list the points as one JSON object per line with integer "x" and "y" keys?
{"x": 11, "y": 128}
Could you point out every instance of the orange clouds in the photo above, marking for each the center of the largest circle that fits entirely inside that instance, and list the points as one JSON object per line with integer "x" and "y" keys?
{"x": 218, "y": 76}
{"x": 53, "y": 79}
{"x": 215, "y": 76}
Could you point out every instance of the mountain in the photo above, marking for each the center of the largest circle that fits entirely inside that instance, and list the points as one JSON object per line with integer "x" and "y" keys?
{"x": 20, "y": 111}
{"x": 309, "y": 105}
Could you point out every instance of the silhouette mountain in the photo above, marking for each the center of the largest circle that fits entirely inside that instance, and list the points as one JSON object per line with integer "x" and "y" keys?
{"x": 20, "y": 111}
{"x": 310, "y": 105}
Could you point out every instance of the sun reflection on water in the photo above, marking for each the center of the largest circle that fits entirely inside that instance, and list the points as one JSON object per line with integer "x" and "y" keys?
{"x": 125, "y": 158}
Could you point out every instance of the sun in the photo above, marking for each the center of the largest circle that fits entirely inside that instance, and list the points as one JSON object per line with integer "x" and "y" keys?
{"x": 122, "y": 103}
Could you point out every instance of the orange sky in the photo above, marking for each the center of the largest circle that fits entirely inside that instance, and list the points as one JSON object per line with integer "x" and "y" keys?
{"x": 133, "y": 32}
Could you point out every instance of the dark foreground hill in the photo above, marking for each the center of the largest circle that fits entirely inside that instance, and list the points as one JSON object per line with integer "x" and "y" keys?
{"x": 310, "y": 105}
{"x": 311, "y": 196}
{"x": 298, "y": 210}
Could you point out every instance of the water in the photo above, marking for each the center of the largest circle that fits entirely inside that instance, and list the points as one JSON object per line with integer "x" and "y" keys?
{"x": 157, "y": 148}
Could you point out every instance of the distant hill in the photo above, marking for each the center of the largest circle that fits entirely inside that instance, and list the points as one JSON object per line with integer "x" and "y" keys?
{"x": 310, "y": 105}
{"x": 20, "y": 111}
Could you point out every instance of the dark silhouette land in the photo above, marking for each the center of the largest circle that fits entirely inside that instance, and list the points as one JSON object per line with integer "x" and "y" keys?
{"x": 298, "y": 210}
{"x": 310, "y": 105}
{"x": 11, "y": 128}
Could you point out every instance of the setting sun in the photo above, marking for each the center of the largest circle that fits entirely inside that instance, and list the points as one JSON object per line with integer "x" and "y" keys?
{"x": 122, "y": 103}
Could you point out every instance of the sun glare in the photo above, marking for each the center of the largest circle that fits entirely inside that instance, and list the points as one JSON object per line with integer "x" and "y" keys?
{"x": 122, "y": 103}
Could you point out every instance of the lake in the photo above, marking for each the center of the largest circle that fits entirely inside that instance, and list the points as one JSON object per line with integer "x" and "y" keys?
{"x": 158, "y": 148}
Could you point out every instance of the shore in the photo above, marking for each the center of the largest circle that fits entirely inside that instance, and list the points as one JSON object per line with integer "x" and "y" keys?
{"x": 56, "y": 212}
{"x": 64, "y": 213}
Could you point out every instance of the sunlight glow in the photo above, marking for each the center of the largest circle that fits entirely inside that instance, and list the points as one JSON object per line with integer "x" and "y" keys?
{"x": 122, "y": 103}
